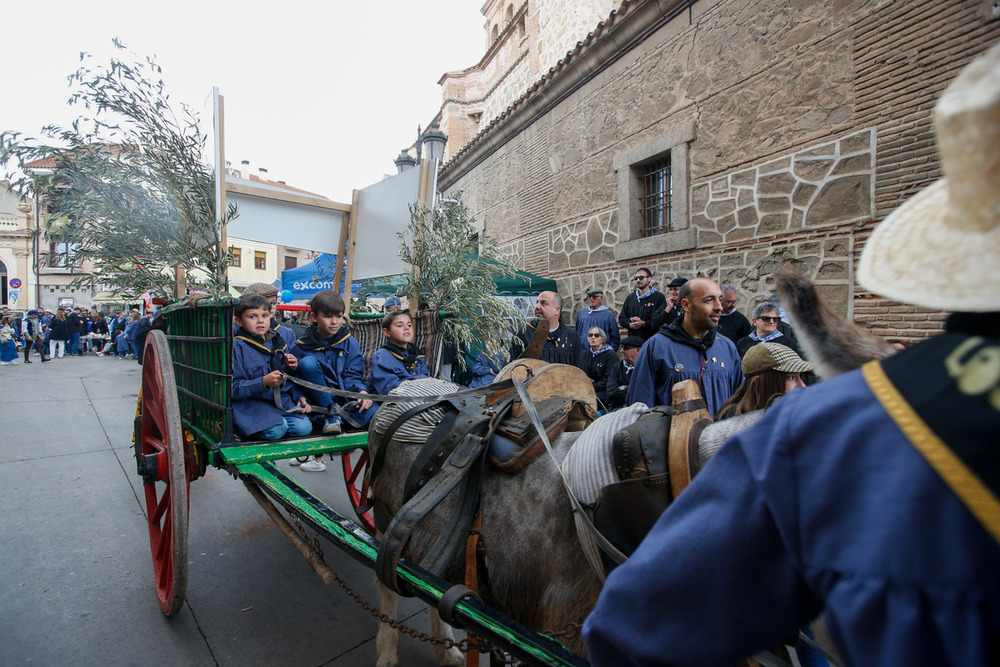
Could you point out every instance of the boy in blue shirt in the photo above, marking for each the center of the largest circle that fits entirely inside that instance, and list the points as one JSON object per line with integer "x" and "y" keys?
{"x": 399, "y": 359}
{"x": 256, "y": 373}
{"x": 331, "y": 356}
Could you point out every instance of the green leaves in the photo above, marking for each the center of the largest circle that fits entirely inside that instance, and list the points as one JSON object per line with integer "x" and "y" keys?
{"x": 456, "y": 270}
{"x": 131, "y": 179}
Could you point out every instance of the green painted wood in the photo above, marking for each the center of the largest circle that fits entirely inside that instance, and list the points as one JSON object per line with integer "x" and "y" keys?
{"x": 286, "y": 449}
{"x": 353, "y": 540}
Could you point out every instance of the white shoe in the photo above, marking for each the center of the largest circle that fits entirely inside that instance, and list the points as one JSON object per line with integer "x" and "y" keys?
{"x": 4, "y": 363}
{"x": 298, "y": 460}
{"x": 313, "y": 466}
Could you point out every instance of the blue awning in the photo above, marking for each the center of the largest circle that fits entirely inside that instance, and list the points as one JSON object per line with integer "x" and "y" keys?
{"x": 304, "y": 281}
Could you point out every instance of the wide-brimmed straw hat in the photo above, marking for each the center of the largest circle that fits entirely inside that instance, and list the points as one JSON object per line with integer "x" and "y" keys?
{"x": 941, "y": 249}
{"x": 773, "y": 356}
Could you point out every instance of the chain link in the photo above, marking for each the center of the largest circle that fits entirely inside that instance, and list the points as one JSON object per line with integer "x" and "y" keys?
{"x": 463, "y": 645}
{"x": 498, "y": 656}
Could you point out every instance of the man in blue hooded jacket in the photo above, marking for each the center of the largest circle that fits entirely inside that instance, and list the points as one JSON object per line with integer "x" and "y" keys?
{"x": 688, "y": 349}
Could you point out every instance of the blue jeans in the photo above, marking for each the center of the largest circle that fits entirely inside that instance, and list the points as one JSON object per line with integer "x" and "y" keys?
{"x": 74, "y": 344}
{"x": 294, "y": 425}
{"x": 121, "y": 345}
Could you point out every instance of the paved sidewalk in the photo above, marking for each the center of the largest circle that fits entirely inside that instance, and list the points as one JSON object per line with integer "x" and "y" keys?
{"x": 75, "y": 569}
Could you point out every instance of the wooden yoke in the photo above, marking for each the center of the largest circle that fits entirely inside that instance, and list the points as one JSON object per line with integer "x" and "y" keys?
{"x": 689, "y": 407}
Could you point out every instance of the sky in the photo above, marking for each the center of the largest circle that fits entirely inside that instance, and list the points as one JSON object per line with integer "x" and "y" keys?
{"x": 322, "y": 94}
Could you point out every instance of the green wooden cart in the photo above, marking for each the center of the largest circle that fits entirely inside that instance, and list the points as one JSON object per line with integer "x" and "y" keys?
{"x": 184, "y": 424}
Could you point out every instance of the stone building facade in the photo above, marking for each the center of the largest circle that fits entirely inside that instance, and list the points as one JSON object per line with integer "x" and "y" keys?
{"x": 524, "y": 39}
{"x": 791, "y": 129}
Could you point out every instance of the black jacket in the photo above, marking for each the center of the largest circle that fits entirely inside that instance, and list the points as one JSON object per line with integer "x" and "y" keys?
{"x": 644, "y": 308}
{"x": 561, "y": 347}
{"x": 597, "y": 367}
{"x": 617, "y": 385}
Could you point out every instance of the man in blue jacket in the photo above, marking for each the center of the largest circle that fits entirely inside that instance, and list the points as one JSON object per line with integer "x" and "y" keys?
{"x": 596, "y": 314}
{"x": 871, "y": 497}
{"x": 688, "y": 349}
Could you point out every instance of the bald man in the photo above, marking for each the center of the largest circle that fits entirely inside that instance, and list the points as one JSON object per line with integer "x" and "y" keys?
{"x": 689, "y": 349}
{"x": 562, "y": 346}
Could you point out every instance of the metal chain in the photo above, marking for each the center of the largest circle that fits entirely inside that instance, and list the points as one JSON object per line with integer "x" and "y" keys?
{"x": 462, "y": 645}
{"x": 571, "y": 629}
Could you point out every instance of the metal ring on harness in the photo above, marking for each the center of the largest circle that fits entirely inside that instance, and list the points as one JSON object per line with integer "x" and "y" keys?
{"x": 450, "y": 599}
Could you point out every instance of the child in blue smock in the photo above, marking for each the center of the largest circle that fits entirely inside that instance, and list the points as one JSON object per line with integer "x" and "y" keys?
{"x": 256, "y": 373}
{"x": 487, "y": 365}
{"x": 399, "y": 359}
{"x": 330, "y": 356}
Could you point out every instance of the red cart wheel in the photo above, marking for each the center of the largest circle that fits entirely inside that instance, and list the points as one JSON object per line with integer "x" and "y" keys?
{"x": 356, "y": 480}
{"x": 166, "y": 473}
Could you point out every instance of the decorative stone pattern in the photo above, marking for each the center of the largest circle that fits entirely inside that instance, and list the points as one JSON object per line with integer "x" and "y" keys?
{"x": 819, "y": 186}
{"x": 583, "y": 244}
{"x": 513, "y": 253}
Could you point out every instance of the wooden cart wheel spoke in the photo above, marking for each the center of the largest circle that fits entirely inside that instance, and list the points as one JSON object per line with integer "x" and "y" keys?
{"x": 356, "y": 481}
{"x": 166, "y": 493}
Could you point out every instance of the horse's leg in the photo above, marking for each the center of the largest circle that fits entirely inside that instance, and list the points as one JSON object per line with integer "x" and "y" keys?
{"x": 387, "y": 638}
{"x": 450, "y": 657}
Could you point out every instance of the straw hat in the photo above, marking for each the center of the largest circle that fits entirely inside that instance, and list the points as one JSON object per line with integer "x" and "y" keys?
{"x": 941, "y": 249}
{"x": 773, "y": 356}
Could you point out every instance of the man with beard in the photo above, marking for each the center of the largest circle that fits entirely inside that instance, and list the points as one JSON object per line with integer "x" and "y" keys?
{"x": 688, "y": 349}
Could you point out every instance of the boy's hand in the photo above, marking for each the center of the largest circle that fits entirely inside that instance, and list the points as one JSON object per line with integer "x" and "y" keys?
{"x": 304, "y": 406}
{"x": 274, "y": 378}
{"x": 291, "y": 361}
{"x": 364, "y": 404}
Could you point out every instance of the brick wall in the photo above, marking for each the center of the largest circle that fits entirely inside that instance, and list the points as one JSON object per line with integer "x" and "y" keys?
{"x": 812, "y": 122}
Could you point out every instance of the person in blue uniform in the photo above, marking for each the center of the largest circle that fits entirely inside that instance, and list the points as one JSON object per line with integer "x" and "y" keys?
{"x": 596, "y": 314}
{"x": 257, "y": 371}
{"x": 330, "y": 356}
{"x": 562, "y": 345}
{"x": 486, "y": 367}
{"x": 688, "y": 349}
{"x": 399, "y": 359}
{"x": 871, "y": 497}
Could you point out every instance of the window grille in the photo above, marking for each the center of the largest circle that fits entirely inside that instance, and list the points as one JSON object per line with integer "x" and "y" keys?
{"x": 655, "y": 201}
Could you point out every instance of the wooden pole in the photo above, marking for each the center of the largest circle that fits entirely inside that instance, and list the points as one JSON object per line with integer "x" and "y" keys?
{"x": 220, "y": 178}
{"x": 342, "y": 251}
{"x": 352, "y": 238}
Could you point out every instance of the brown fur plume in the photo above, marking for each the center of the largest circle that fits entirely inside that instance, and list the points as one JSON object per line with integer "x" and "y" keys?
{"x": 831, "y": 343}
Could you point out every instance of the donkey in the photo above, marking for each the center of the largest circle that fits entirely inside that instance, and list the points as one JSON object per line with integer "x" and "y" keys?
{"x": 537, "y": 572}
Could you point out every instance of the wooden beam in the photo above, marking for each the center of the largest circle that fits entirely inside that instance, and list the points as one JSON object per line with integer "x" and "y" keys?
{"x": 291, "y": 197}
{"x": 342, "y": 252}
{"x": 352, "y": 239}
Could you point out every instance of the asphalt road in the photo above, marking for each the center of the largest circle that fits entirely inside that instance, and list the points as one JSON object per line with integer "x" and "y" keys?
{"x": 75, "y": 570}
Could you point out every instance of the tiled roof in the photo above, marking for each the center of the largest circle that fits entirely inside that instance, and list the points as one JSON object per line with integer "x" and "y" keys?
{"x": 602, "y": 29}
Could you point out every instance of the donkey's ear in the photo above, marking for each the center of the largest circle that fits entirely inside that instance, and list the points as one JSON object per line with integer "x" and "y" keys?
{"x": 832, "y": 344}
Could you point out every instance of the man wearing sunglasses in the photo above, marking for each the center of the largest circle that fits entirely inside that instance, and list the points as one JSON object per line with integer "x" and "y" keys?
{"x": 766, "y": 319}
{"x": 641, "y": 305}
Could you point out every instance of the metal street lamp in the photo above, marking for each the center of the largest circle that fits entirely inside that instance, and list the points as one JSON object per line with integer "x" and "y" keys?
{"x": 433, "y": 142}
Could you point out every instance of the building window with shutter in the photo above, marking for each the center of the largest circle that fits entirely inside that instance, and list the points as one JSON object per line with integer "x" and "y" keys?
{"x": 653, "y": 196}
{"x": 236, "y": 257}
{"x": 259, "y": 260}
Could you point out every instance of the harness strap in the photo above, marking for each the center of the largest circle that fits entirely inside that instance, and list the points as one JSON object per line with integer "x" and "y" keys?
{"x": 398, "y": 398}
{"x": 375, "y": 447}
{"x": 397, "y": 535}
{"x": 579, "y": 515}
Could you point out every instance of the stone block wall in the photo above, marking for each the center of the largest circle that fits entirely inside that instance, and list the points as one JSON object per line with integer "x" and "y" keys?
{"x": 812, "y": 122}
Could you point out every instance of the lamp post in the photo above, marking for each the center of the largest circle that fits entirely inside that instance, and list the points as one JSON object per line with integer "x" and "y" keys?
{"x": 430, "y": 146}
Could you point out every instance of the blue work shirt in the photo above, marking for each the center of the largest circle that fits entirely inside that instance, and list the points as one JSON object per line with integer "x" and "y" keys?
{"x": 253, "y": 403}
{"x": 823, "y": 505}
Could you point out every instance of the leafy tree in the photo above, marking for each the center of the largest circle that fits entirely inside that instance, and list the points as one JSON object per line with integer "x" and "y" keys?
{"x": 130, "y": 181}
{"x": 455, "y": 270}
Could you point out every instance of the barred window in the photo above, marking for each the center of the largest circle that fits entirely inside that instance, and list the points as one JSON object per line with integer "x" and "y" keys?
{"x": 655, "y": 202}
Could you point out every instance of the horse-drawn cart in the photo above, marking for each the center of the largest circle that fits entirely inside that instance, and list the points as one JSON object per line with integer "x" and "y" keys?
{"x": 185, "y": 424}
